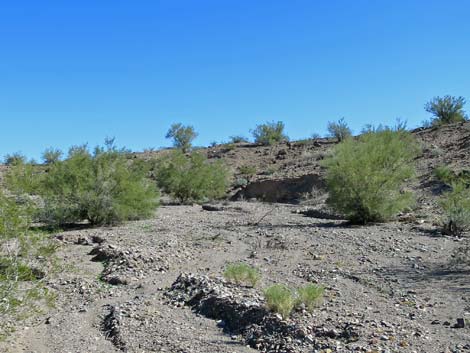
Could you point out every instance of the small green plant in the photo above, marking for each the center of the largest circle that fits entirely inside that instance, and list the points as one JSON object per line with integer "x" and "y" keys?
{"x": 446, "y": 110}
{"x": 192, "y": 178}
{"x": 182, "y": 136}
{"x": 280, "y": 299}
{"x": 400, "y": 125}
{"x": 269, "y": 133}
{"x": 247, "y": 170}
{"x": 444, "y": 174}
{"x": 456, "y": 207}
{"x": 365, "y": 176}
{"x": 242, "y": 273}
{"x": 229, "y": 146}
{"x": 238, "y": 139}
{"x": 310, "y": 296}
{"x": 339, "y": 130}
{"x": 14, "y": 159}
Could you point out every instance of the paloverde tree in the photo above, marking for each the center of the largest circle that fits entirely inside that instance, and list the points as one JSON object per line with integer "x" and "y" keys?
{"x": 365, "y": 177}
{"x": 270, "y": 133}
{"x": 446, "y": 110}
{"x": 182, "y": 136}
{"x": 339, "y": 130}
{"x": 51, "y": 155}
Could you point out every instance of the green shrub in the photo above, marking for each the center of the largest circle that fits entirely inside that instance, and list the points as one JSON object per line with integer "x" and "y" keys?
{"x": 444, "y": 174}
{"x": 310, "y": 296}
{"x": 247, "y": 170}
{"x": 446, "y": 110}
{"x": 269, "y": 133}
{"x": 242, "y": 273}
{"x": 238, "y": 139}
{"x": 182, "y": 136}
{"x": 229, "y": 146}
{"x": 192, "y": 178}
{"x": 101, "y": 187}
{"x": 339, "y": 130}
{"x": 280, "y": 299}
{"x": 400, "y": 125}
{"x": 315, "y": 135}
{"x": 365, "y": 176}
{"x": 51, "y": 155}
{"x": 456, "y": 207}
{"x": 14, "y": 159}
{"x": 24, "y": 261}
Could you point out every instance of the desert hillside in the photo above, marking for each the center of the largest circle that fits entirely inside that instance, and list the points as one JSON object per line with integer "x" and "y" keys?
{"x": 158, "y": 285}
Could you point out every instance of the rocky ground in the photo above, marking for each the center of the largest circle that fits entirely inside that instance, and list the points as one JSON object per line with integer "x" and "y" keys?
{"x": 157, "y": 286}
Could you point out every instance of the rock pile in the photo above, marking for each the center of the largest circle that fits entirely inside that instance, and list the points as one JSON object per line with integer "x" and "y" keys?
{"x": 241, "y": 311}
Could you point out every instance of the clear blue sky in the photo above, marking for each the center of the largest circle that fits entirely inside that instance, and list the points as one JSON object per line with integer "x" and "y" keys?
{"x": 78, "y": 71}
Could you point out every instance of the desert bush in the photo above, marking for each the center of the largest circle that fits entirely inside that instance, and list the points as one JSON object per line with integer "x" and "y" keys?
{"x": 400, "y": 125}
{"x": 192, "y": 178}
{"x": 280, "y": 299}
{"x": 238, "y": 139}
{"x": 315, "y": 135}
{"x": 24, "y": 261}
{"x": 51, "y": 155}
{"x": 101, "y": 187}
{"x": 444, "y": 174}
{"x": 448, "y": 176}
{"x": 247, "y": 170}
{"x": 14, "y": 159}
{"x": 182, "y": 136}
{"x": 365, "y": 176}
{"x": 309, "y": 296}
{"x": 446, "y": 110}
{"x": 229, "y": 146}
{"x": 456, "y": 207}
{"x": 242, "y": 273}
{"x": 269, "y": 133}
{"x": 339, "y": 130}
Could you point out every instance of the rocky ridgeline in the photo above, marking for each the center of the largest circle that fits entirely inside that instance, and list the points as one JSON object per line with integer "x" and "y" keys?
{"x": 241, "y": 311}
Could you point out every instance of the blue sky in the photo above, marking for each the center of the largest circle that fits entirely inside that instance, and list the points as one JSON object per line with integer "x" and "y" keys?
{"x": 78, "y": 71}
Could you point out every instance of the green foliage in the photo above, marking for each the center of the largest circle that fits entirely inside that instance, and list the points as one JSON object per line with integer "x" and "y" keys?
{"x": 23, "y": 178}
{"x": 238, "y": 139}
{"x": 51, "y": 155}
{"x": 182, "y": 136}
{"x": 339, "y": 130}
{"x": 24, "y": 261}
{"x": 229, "y": 146}
{"x": 446, "y": 110}
{"x": 444, "y": 174}
{"x": 269, "y": 133}
{"x": 192, "y": 178}
{"x": 14, "y": 159}
{"x": 280, "y": 299}
{"x": 101, "y": 187}
{"x": 448, "y": 176}
{"x": 365, "y": 176}
{"x": 242, "y": 273}
{"x": 310, "y": 296}
{"x": 247, "y": 170}
{"x": 456, "y": 207}
{"x": 400, "y": 125}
